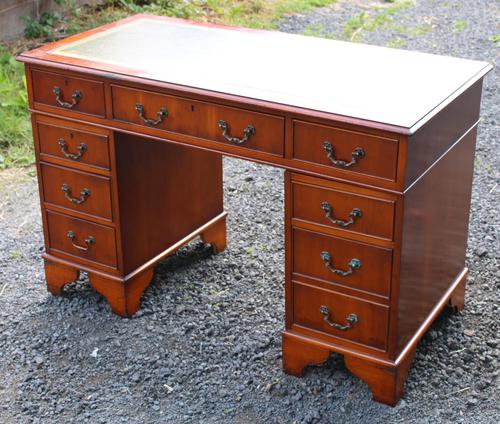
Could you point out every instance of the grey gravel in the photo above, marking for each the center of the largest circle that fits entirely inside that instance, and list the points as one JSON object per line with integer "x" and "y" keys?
{"x": 205, "y": 347}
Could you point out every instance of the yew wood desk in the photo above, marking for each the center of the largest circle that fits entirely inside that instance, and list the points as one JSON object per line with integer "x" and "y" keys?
{"x": 130, "y": 124}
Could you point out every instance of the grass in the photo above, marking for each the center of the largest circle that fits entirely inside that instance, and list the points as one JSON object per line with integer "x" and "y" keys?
{"x": 16, "y": 145}
{"x": 459, "y": 26}
{"x": 365, "y": 21}
{"x": 495, "y": 38}
{"x": 15, "y": 127}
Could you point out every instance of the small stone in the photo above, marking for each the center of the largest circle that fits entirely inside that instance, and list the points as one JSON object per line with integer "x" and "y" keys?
{"x": 469, "y": 332}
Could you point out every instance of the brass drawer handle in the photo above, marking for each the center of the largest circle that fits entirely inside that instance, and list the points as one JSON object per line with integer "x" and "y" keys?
{"x": 357, "y": 153}
{"x": 89, "y": 241}
{"x": 353, "y": 264}
{"x": 355, "y": 213}
{"x": 82, "y": 148}
{"x": 351, "y": 319}
{"x": 75, "y": 98}
{"x": 162, "y": 114}
{"x": 84, "y": 194}
{"x": 248, "y": 132}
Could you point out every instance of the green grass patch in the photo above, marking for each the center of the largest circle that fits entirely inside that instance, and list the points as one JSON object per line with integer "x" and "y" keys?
{"x": 316, "y": 30}
{"x": 16, "y": 145}
{"x": 459, "y": 26}
{"x": 379, "y": 17}
{"x": 495, "y": 38}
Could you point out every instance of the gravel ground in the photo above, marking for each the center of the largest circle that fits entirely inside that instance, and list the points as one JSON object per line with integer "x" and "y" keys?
{"x": 205, "y": 347}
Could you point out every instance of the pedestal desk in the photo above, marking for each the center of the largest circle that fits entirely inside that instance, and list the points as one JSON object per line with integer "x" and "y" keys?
{"x": 130, "y": 124}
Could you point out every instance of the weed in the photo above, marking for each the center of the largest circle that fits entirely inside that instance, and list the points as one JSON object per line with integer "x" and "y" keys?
{"x": 459, "y": 25}
{"x": 316, "y": 30}
{"x": 495, "y": 38}
{"x": 367, "y": 21}
{"x": 15, "y": 128}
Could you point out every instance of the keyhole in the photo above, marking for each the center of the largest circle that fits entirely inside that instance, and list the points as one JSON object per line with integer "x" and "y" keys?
{"x": 66, "y": 82}
{"x": 71, "y": 135}
{"x": 192, "y": 108}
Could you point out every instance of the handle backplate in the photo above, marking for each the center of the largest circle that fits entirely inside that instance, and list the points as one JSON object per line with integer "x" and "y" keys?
{"x": 162, "y": 114}
{"x": 351, "y": 319}
{"x": 75, "y": 98}
{"x": 355, "y": 213}
{"x": 353, "y": 264}
{"x": 81, "y": 148}
{"x": 247, "y": 133}
{"x": 357, "y": 153}
{"x": 89, "y": 241}
{"x": 84, "y": 194}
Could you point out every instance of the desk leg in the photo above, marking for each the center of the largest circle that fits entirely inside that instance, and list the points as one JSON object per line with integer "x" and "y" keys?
{"x": 124, "y": 297}
{"x": 385, "y": 382}
{"x": 57, "y": 276}
{"x": 298, "y": 354}
{"x": 216, "y": 236}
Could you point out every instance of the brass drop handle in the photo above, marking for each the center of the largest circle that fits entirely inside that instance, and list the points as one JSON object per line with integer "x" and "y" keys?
{"x": 355, "y": 213}
{"x": 82, "y": 148}
{"x": 357, "y": 153}
{"x": 84, "y": 194}
{"x": 247, "y": 132}
{"x": 353, "y": 264}
{"x": 89, "y": 241}
{"x": 162, "y": 114}
{"x": 75, "y": 98}
{"x": 351, "y": 319}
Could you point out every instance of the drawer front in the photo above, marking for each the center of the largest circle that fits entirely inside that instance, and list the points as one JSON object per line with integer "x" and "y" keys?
{"x": 200, "y": 119}
{"x": 78, "y": 191}
{"x": 69, "y": 93}
{"x": 343, "y": 210}
{"x": 343, "y": 316}
{"x": 73, "y": 145}
{"x": 317, "y": 255}
{"x": 322, "y": 145}
{"x": 83, "y": 239}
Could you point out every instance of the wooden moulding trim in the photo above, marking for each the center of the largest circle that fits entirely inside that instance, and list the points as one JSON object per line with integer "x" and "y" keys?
{"x": 441, "y": 157}
{"x": 177, "y": 245}
{"x": 340, "y": 349}
{"x": 77, "y": 265}
{"x": 426, "y": 118}
{"x": 432, "y": 316}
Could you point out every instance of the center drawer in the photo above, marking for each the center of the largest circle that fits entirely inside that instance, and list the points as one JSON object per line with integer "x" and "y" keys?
{"x": 236, "y": 127}
{"x": 347, "y": 263}
{"x": 79, "y": 191}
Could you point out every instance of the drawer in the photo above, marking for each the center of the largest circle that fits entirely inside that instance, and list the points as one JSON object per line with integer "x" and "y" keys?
{"x": 322, "y": 145}
{"x": 357, "y": 320}
{"x": 200, "y": 119}
{"x": 73, "y": 145}
{"x": 366, "y": 267}
{"x": 80, "y": 238}
{"x": 68, "y": 92}
{"x": 343, "y": 210}
{"x": 76, "y": 190}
